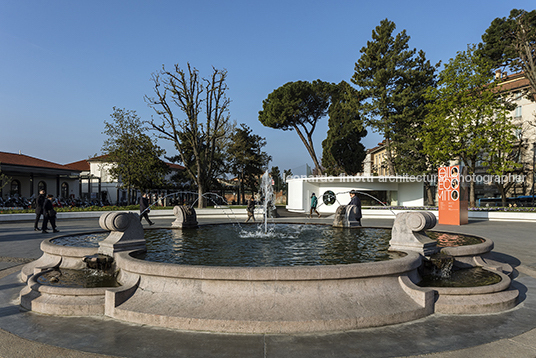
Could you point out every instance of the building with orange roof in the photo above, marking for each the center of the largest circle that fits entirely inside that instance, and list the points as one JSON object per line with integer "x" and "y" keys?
{"x": 28, "y": 175}
{"x": 87, "y": 179}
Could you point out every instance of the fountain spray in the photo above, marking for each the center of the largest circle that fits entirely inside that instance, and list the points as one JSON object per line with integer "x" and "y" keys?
{"x": 267, "y": 193}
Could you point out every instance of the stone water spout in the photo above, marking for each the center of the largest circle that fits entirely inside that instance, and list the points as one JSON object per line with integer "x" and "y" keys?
{"x": 408, "y": 233}
{"x": 346, "y": 216}
{"x": 185, "y": 217}
{"x": 126, "y": 233}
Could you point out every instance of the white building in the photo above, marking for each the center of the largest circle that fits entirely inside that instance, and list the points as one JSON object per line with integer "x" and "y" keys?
{"x": 374, "y": 191}
{"x": 96, "y": 183}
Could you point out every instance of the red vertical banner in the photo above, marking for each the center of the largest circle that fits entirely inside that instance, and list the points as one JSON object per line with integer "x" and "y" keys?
{"x": 452, "y": 196}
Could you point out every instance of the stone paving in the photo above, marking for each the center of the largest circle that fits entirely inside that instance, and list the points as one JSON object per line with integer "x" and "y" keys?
{"x": 507, "y": 334}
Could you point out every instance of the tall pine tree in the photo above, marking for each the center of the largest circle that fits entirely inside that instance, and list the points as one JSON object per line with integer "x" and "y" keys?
{"x": 342, "y": 149}
{"x": 391, "y": 77}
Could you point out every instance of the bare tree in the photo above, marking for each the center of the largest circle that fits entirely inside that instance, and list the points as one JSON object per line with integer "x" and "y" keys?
{"x": 198, "y": 140}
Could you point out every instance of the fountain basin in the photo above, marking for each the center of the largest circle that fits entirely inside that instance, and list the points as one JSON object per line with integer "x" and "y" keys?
{"x": 237, "y": 299}
{"x": 272, "y": 299}
{"x": 477, "y": 300}
{"x": 473, "y": 255}
{"x": 54, "y": 255}
{"x": 476, "y": 255}
{"x": 65, "y": 301}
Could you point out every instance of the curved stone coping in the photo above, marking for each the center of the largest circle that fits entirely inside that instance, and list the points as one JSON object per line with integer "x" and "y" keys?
{"x": 74, "y": 251}
{"x": 469, "y": 250}
{"x": 63, "y": 291}
{"x": 503, "y": 285}
{"x": 43, "y": 263}
{"x": 294, "y": 300}
{"x": 291, "y": 273}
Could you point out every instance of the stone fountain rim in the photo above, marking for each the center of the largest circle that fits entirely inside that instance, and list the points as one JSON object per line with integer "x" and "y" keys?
{"x": 127, "y": 262}
{"x": 476, "y": 290}
{"x": 47, "y": 246}
{"x": 469, "y": 250}
{"x": 409, "y": 262}
{"x": 64, "y": 291}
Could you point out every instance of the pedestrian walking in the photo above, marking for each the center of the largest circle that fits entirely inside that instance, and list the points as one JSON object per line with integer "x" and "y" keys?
{"x": 314, "y": 203}
{"x": 39, "y": 203}
{"x": 145, "y": 209}
{"x": 49, "y": 214}
{"x": 251, "y": 209}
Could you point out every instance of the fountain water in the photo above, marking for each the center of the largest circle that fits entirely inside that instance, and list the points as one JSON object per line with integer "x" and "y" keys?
{"x": 267, "y": 194}
{"x": 231, "y": 215}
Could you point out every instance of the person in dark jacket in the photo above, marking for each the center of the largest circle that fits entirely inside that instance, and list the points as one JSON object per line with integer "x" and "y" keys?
{"x": 354, "y": 200}
{"x": 144, "y": 208}
{"x": 39, "y": 202}
{"x": 49, "y": 214}
{"x": 251, "y": 209}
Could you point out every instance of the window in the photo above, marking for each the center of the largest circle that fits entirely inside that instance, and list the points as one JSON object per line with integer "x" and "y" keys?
{"x": 41, "y": 186}
{"x": 518, "y": 113}
{"x": 15, "y": 187}
{"x": 329, "y": 198}
{"x": 64, "y": 190}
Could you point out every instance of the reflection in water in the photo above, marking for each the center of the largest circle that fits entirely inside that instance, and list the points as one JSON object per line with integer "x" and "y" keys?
{"x": 470, "y": 277}
{"x": 85, "y": 240}
{"x": 86, "y": 278}
{"x": 282, "y": 245}
{"x": 452, "y": 240}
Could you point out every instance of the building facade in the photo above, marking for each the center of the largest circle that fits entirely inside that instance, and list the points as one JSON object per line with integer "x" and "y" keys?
{"x": 28, "y": 175}
{"x": 376, "y": 161}
{"x": 523, "y": 117}
{"x": 96, "y": 183}
{"x": 88, "y": 180}
{"x": 335, "y": 191}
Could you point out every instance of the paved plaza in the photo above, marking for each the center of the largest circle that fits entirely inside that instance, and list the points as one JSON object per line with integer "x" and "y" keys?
{"x": 507, "y": 334}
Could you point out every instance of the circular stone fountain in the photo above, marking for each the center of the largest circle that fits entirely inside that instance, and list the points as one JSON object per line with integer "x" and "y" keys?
{"x": 278, "y": 299}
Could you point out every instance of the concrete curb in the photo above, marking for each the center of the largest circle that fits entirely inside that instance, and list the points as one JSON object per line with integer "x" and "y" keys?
{"x": 228, "y": 212}
{"x": 156, "y": 214}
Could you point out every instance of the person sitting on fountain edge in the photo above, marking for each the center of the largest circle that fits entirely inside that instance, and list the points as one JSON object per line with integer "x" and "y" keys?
{"x": 314, "y": 203}
{"x": 144, "y": 209}
{"x": 354, "y": 200}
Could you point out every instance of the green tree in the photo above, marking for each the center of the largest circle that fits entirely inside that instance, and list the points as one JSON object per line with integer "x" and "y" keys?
{"x": 503, "y": 158}
{"x": 287, "y": 173}
{"x": 409, "y": 128}
{"x": 511, "y": 43}
{"x": 135, "y": 159}
{"x": 343, "y": 151}
{"x": 467, "y": 115}
{"x": 388, "y": 74}
{"x": 246, "y": 158}
{"x": 298, "y": 106}
{"x": 4, "y": 179}
{"x": 275, "y": 173}
{"x": 198, "y": 141}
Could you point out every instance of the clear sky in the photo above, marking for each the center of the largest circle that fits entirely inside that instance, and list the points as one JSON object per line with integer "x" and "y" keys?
{"x": 65, "y": 64}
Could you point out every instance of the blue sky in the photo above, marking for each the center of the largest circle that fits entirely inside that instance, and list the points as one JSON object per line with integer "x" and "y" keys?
{"x": 65, "y": 64}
